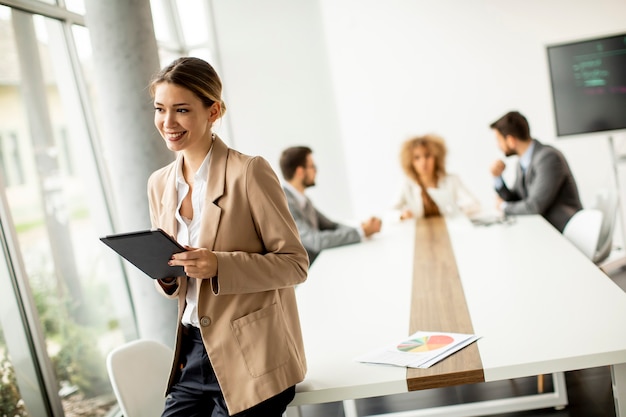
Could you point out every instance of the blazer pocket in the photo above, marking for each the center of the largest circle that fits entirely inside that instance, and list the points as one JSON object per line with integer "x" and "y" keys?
{"x": 262, "y": 338}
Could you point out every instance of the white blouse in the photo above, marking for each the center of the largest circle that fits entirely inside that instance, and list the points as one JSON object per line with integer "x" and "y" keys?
{"x": 451, "y": 196}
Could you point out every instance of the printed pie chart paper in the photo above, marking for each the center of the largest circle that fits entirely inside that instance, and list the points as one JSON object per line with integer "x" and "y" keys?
{"x": 420, "y": 350}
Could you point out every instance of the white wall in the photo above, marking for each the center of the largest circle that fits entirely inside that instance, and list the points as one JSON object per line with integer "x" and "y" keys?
{"x": 354, "y": 78}
{"x": 277, "y": 83}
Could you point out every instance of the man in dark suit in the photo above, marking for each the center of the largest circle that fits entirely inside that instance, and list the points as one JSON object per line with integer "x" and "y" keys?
{"x": 316, "y": 231}
{"x": 544, "y": 184}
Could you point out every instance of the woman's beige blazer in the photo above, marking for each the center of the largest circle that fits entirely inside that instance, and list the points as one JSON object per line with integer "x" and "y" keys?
{"x": 248, "y": 314}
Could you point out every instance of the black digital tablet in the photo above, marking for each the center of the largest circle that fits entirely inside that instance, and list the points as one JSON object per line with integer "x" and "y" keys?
{"x": 148, "y": 250}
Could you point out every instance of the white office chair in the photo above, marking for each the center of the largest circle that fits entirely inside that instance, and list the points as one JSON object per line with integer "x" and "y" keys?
{"x": 607, "y": 202}
{"x": 583, "y": 230}
{"x": 138, "y": 371}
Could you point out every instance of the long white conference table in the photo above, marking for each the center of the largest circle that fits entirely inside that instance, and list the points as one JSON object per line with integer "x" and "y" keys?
{"x": 538, "y": 305}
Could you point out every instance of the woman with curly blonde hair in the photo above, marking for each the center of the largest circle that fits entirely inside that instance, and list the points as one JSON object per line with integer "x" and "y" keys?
{"x": 429, "y": 189}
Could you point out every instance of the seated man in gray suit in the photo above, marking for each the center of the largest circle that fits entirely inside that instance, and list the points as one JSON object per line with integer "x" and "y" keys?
{"x": 317, "y": 232}
{"x": 544, "y": 183}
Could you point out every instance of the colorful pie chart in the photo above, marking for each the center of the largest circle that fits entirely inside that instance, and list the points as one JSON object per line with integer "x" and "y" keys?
{"x": 425, "y": 343}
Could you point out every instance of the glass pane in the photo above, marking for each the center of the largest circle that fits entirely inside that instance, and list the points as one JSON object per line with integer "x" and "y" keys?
{"x": 76, "y": 6}
{"x": 162, "y": 27}
{"x": 11, "y": 403}
{"x": 193, "y": 21}
{"x": 58, "y": 208}
{"x": 204, "y": 53}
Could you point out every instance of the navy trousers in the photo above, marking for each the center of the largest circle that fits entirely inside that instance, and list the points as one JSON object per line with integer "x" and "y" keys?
{"x": 197, "y": 392}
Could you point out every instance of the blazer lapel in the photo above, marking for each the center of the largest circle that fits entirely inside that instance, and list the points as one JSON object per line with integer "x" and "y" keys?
{"x": 530, "y": 170}
{"x": 215, "y": 189}
{"x": 169, "y": 202}
{"x": 521, "y": 175}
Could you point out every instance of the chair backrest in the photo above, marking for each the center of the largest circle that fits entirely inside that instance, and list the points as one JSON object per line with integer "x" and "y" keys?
{"x": 583, "y": 230}
{"x": 139, "y": 371}
{"x": 607, "y": 202}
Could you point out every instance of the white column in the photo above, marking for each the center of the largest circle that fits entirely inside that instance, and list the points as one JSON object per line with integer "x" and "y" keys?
{"x": 125, "y": 58}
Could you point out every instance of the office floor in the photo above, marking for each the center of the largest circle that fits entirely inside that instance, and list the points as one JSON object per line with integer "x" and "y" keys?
{"x": 589, "y": 392}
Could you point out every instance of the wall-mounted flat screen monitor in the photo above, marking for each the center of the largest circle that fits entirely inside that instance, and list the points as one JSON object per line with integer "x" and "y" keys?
{"x": 589, "y": 85}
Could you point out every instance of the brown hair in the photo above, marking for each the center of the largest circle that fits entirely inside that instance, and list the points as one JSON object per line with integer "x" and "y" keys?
{"x": 292, "y": 158}
{"x": 513, "y": 123}
{"x": 436, "y": 146}
{"x": 197, "y": 76}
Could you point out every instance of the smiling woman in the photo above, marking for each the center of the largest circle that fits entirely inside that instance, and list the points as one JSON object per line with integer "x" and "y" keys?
{"x": 236, "y": 301}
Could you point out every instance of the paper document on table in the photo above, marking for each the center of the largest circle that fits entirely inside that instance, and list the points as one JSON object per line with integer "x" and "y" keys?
{"x": 420, "y": 350}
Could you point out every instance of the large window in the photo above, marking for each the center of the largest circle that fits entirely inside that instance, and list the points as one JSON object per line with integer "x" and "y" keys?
{"x": 64, "y": 297}
{"x": 71, "y": 305}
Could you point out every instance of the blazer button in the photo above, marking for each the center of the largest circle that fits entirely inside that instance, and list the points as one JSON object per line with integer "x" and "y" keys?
{"x": 205, "y": 321}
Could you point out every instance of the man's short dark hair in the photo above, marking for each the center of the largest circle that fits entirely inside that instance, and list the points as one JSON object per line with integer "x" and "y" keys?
{"x": 292, "y": 158}
{"x": 513, "y": 123}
